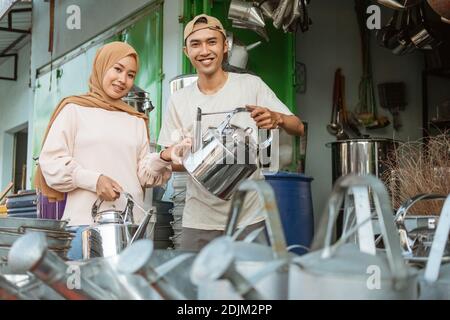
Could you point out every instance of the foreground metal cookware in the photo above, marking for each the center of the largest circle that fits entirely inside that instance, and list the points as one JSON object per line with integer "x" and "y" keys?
{"x": 135, "y": 260}
{"x": 30, "y": 254}
{"x": 113, "y": 230}
{"x": 224, "y": 156}
{"x": 344, "y": 271}
{"x": 228, "y": 269}
{"x": 25, "y": 287}
{"x": 435, "y": 279}
{"x": 416, "y": 243}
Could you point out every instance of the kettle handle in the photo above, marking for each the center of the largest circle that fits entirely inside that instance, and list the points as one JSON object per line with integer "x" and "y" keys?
{"x": 270, "y": 211}
{"x": 96, "y": 206}
{"x": 385, "y": 215}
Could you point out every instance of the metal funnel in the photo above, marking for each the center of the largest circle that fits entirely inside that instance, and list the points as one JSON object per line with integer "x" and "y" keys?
{"x": 246, "y": 12}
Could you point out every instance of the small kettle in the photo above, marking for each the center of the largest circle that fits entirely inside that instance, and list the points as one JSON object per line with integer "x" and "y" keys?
{"x": 113, "y": 230}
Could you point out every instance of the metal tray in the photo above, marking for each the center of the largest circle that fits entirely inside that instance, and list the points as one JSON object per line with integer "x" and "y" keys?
{"x": 8, "y": 239}
{"x": 46, "y": 224}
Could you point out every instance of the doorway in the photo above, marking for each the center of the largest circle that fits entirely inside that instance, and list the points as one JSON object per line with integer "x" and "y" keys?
{"x": 20, "y": 159}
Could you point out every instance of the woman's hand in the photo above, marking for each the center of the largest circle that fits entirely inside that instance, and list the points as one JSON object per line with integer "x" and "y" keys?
{"x": 108, "y": 189}
{"x": 264, "y": 118}
{"x": 177, "y": 152}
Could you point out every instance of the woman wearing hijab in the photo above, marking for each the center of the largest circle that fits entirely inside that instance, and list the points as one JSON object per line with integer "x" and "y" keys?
{"x": 97, "y": 146}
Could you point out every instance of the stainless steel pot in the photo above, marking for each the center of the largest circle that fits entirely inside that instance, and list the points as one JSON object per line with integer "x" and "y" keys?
{"x": 360, "y": 156}
{"x": 224, "y": 156}
{"x": 112, "y": 231}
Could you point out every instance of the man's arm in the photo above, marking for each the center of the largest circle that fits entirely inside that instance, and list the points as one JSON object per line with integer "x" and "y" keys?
{"x": 267, "y": 119}
{"x": 175, "y": 167}
{"x": 291, "y": 124}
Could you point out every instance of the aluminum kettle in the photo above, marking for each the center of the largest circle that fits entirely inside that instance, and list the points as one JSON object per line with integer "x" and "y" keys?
{"x": 113, "y": 230}
{"x": 224, "y": 156}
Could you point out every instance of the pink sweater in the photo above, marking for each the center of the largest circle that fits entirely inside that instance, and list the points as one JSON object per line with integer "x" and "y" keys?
{"x": 86, "y": 142}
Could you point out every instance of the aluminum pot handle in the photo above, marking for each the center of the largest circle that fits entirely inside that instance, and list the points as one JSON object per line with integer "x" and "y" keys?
{"x": 270, "y": 211}
{"x": 385, "y": 216}
{"x": 96, "y": 206}
{"x": 439, "y": 242}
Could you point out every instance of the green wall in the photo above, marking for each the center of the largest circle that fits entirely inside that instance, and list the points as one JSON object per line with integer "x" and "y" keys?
{"x": 273, "y": 61}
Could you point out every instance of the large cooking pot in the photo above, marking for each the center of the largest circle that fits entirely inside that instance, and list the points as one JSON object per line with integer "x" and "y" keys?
{"x": 361, "y": 156}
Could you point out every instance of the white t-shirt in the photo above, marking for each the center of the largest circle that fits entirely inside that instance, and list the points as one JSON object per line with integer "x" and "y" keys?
{"x": 203, "y": 210}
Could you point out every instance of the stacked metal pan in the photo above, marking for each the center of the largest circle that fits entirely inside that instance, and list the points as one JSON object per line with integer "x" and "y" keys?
{"x": 179, "y": 199}
{"x": 12, "y": 228}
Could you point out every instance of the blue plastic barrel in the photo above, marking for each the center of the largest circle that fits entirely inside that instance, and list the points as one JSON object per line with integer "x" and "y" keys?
{"x": 293, "y": 194}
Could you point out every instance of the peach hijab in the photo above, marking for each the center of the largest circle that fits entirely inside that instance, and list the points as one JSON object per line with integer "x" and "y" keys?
{"x": 105, "y": 58}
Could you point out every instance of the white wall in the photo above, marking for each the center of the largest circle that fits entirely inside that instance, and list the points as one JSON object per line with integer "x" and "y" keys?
{"x": 333, "y": 42}
{"x": 15, "y": 110}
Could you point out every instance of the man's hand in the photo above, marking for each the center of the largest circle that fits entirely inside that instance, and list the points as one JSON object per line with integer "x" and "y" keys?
{"x": 264, "y": 118}
{"x": 108, "y": 189}
{"x": 177, "y": 152}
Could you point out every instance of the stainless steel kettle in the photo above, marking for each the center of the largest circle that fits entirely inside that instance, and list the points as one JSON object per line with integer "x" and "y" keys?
{"x": 224, "y": 156}
{"x": 113, "y": 230}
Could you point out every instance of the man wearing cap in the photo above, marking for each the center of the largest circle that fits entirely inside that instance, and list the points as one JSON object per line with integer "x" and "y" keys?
{"x": 205, "y": 216}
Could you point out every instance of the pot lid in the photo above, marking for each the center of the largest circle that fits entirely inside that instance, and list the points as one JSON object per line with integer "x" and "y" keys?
{"x": 328, "y": 144}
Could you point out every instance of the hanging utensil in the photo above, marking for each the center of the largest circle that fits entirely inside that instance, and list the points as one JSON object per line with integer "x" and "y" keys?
{"x": 246, "y": 12}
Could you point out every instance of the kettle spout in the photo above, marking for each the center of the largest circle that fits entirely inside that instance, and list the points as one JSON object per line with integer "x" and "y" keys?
{"x": 140, "y": 232}
{"x": 253, "y": 45}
